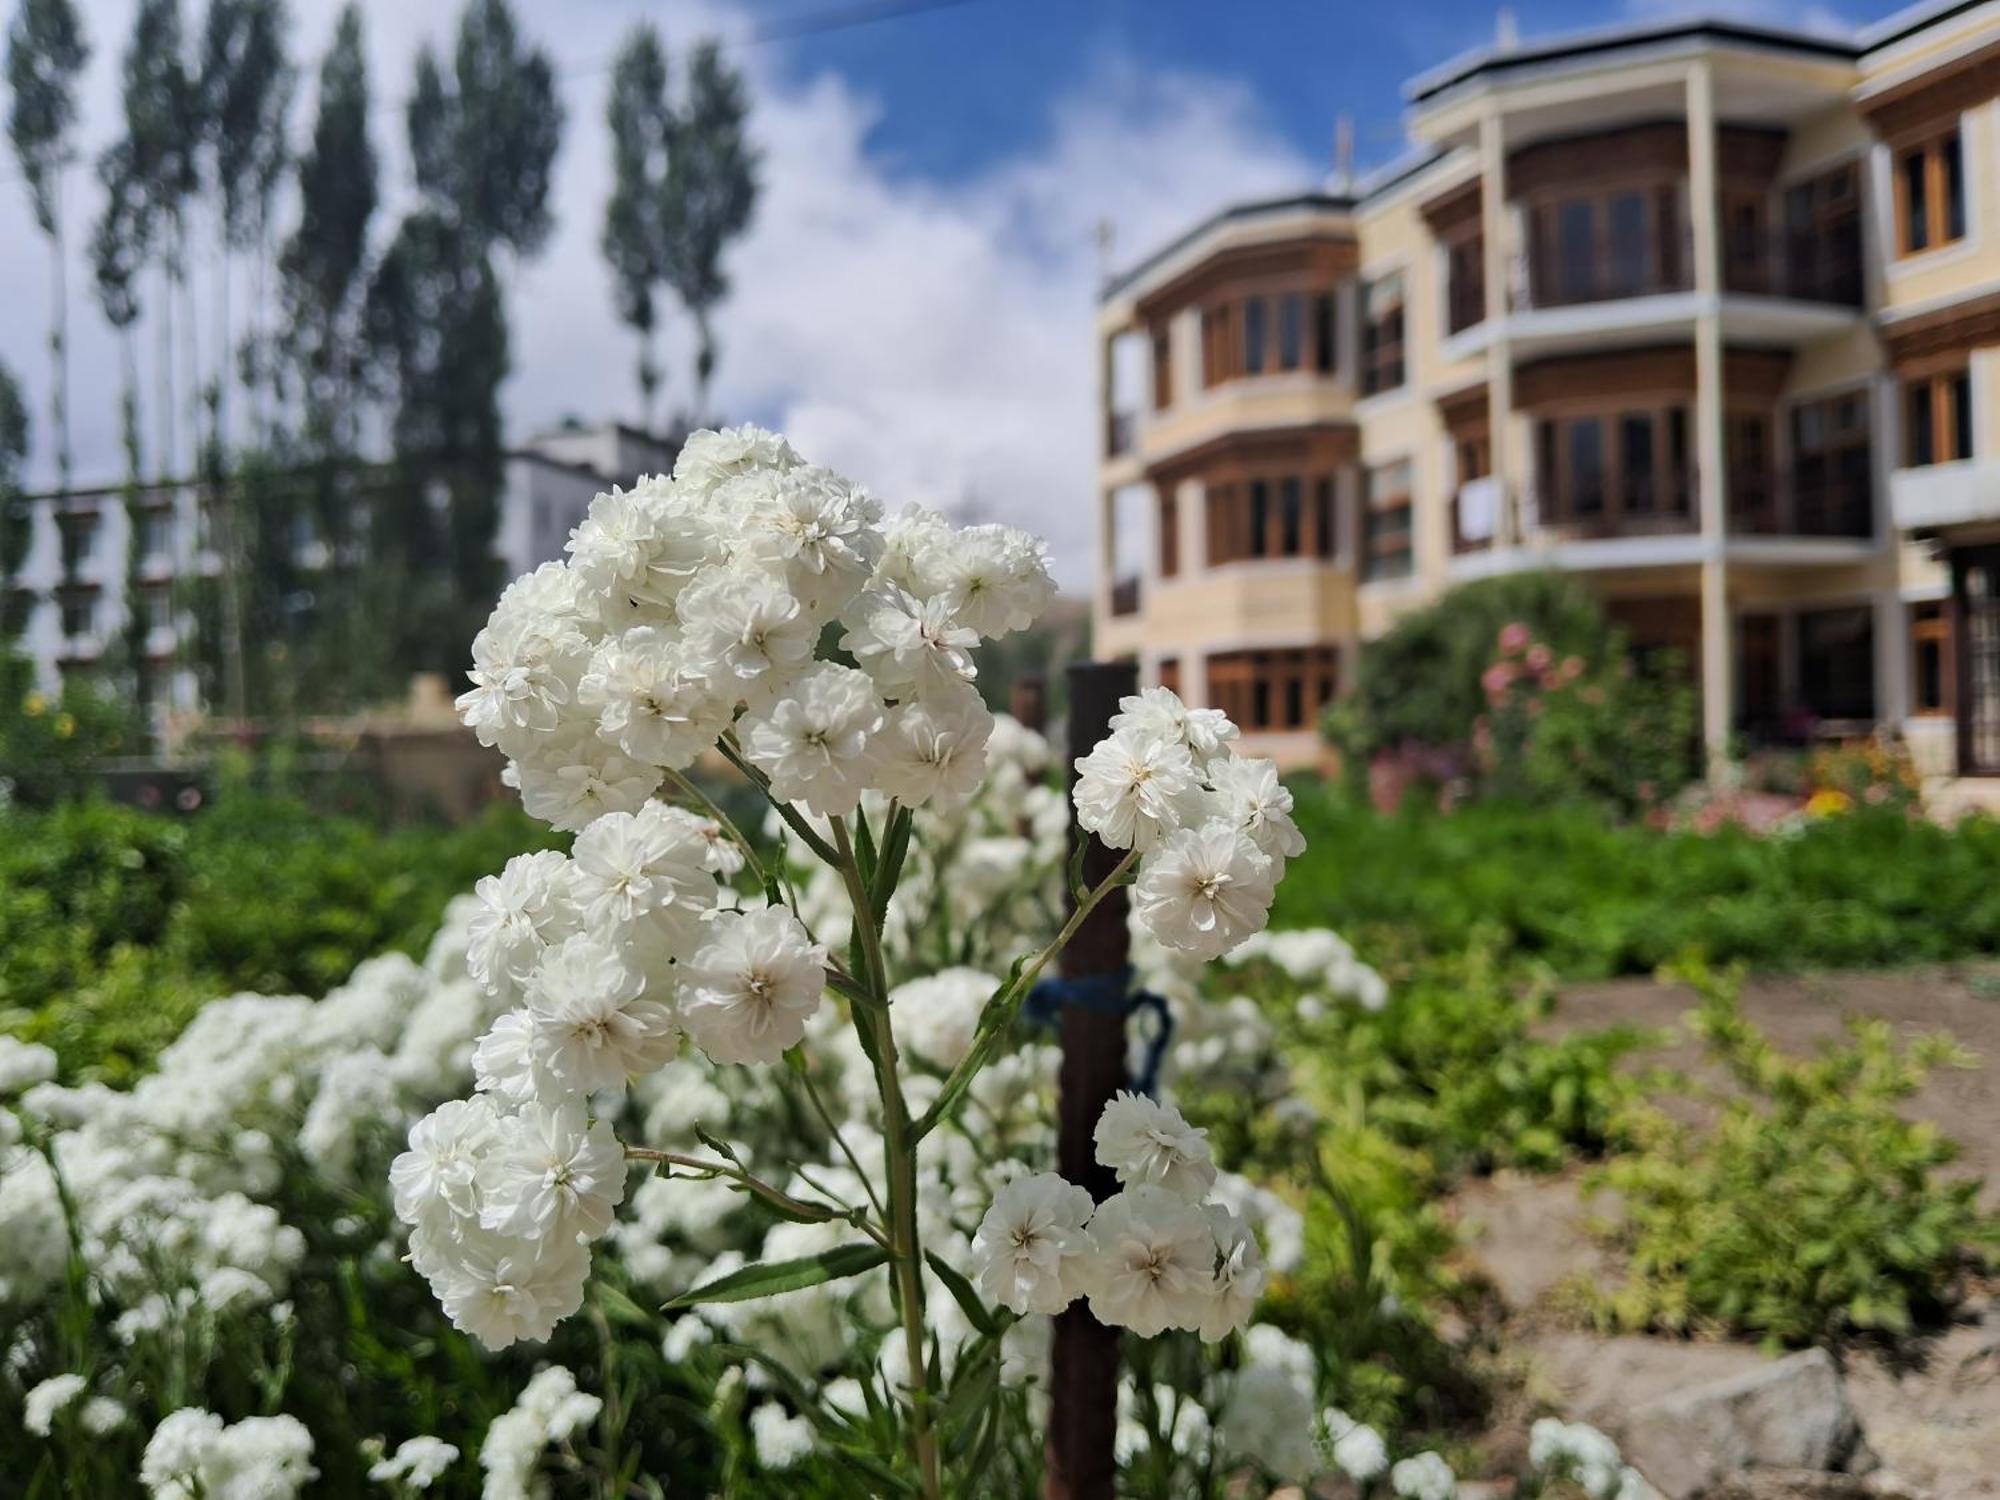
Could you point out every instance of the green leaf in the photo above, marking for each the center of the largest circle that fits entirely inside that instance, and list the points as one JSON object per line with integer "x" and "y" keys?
{"x": 1076, "y": 885}
{"x": 768, "y": 1279}
{"x": 962, "y": 1293}
{"x": 716, "y": 1144}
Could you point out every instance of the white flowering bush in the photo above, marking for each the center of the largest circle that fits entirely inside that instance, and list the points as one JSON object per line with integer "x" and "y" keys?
{"x": 759, "y": 608}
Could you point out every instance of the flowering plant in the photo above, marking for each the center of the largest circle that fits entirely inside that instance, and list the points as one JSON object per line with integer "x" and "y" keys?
{"x": 716, "y": 612}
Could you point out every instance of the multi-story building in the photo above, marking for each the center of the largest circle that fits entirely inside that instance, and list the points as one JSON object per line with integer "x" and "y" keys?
{"x": 85, "y": 572}
{"x": 1707, "y": 314}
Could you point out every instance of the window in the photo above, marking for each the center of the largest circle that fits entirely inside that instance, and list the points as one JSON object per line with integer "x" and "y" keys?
{"x": 1930, "y": 193}
{"x": 1387, "y": 539}
{"x": 1291, "y": 331}
{"x": 1832, "y": 468}
{"x": 1629, "y": 243}
{"x": 1255, "y": 313}
{"x": 1170, "y": 535}
{"x": 1937, "y": 419}
{"x": 1823, "y": 238}
{"x": 1465, "y": 282}
{"x": 1170, "y": 673}
{"x": 156, "y": 534}
{"x": 1163, "y": 369}
{"x": 1382, "y": 335}
{"x": 1746, "y": 443}
{"x": 1597, "y": 469}
{"x": 1323, "y": 326}
{"x": 1266, "y": 515}
{"x": 79, "y": 612}
{"x": 1837, "y": 662}
{"x": 1273, "y": 690}
{"x": 1217, "y": 362}
{"x": 158, "y": 604}
{"x": 79, "y": 541}
{"x": 1930, "y": 659}
{"x": 1744, "y": 265}
{"x": 1607, "y": 244}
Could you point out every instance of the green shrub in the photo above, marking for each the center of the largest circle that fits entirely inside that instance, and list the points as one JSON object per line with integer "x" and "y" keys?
{"x": 1867, "y": 888}
{"x": 1419, "y": 684}
{"x": 1809, "y": 1210}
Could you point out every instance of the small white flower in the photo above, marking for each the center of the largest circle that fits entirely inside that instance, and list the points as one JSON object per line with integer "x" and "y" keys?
{"x": 524, "y": 675}
{"x": 575, "y": 778}
{"x": 911, "y": 647}
{"x": 1239, "y": 1275}
{"x": 1158, "y": 713}
{"x": 551, "y": 1173}
{"x": 522, "y": 910}
{"x": 637, "y": 550}
{"x": 38, "y": 1411}
{"x": 1355, "y": 1448}
{"x": 753, "y": 985}
{"x": 24, "y": 1064}
{"x": 1424, "y": 1477}
{"x": 1030, "y": 1243}
{"x": 435, "y": 1181}
{"x": 818, "y": 744}
{"x": 1147, "y": 1142}
{"x": 648, "y": 868}
{"x": 1249, "y": 795}
{"x": 417, "y": 1463}
{"x": 746, "y": 636}
{"x": 1205, "y": 889}
{"x": 501, "y": 1290}
{"x": 710, "y": 458}
{"x": 822, "y": 531}
{"x": 1152, "y": 1262}
{"x": 781, "y": 1439}
{"x": 649, "y": 702}
{"x": 592, "y": 1028}
{"x": 102, "y": 1416}
{"x": 1133, "y": 789}
{"x": 935, "y": 748}
{"x": 994, "y": 578}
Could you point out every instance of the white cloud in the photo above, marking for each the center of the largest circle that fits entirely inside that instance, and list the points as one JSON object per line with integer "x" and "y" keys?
{"x": 934, "y": 339}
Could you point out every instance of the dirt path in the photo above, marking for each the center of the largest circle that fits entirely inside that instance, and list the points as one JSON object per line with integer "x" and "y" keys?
{"x": 1937, "y": 1426}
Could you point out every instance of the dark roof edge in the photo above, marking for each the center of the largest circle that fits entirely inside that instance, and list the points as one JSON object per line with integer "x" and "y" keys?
{"x": 1451, "y": 74}
{"x": 1910, "y": 20}
{"x": 1327, "y": 202}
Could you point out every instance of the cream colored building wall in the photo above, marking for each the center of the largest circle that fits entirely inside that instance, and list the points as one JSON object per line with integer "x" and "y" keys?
{"x": 1965, "y": 267}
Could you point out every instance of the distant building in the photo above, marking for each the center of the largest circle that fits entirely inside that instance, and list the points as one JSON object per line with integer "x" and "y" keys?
{"x": 1705, "y": 313}
{"x": 78, "y": 586}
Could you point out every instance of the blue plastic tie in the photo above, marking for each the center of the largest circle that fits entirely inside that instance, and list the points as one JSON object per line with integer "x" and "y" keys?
{"x": 1113, "y": 994}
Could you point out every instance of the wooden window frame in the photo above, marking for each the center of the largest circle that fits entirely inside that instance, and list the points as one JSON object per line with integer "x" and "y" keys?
{"x": 1671, "y": 506}
{"x": 1464, "y": 279}
{"x": 1930, "y": 625}
{"x": 1237, "y": 532}
{"x": 1385, "y": 337}
{"x": 1274, "y": 690}
{"x": 1948, "y": 444}
{"x": 1838, "y": 451}
{"x": 1666, "y": 268}
{"x": 1169, "y": 513}
{"x": 1929, "y": 150}
{"x": 1163, "y": 367}
{"x": 1820, "y": 221}
{"x": 1380, "y": 564}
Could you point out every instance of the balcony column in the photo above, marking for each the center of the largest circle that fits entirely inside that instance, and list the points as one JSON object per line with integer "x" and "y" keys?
{"x": 1892, "y": 660}
{"x": 1499, "y": 357}
{"x": 1712, "y": 480}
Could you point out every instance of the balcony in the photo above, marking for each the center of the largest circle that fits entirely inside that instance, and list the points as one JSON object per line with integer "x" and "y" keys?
{"x": 1937, "y": 496}
{"x": 1834, "y": 507}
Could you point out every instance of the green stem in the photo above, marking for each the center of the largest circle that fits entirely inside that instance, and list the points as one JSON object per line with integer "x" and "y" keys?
{"x": 723, "y": 820}
{"x": 1010, "y": 1001}
{"x": 776, "y": 1197}
{"x": 905, "y": 1244}
{"x": 733, "y": 753}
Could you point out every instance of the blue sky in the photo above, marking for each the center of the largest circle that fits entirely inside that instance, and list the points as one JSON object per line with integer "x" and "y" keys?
{"x": 915, "y": 302}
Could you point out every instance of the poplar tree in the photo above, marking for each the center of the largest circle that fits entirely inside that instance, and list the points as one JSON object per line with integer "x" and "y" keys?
{"x": 46, "y": 50}
{"x": 15, "y": 532}
{"x": 711, "y": 191}
{"x": 641, "y": 128}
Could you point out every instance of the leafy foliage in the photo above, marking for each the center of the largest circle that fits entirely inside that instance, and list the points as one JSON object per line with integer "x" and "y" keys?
{"x": 1869, "y": 888}
{"x": 1420, "y": 683}
{"x": 115, "y": 925}
{"x": 1811, "y": 1210}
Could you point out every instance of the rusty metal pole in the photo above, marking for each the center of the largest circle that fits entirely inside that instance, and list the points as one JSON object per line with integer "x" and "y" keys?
{"x": 1083, "y": 1383}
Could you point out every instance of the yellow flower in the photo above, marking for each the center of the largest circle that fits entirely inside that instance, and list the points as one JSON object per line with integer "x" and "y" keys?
{"x": 65, "y": 726}
{"x": 1828, "y": 801}
{"x": 34, "y": 705}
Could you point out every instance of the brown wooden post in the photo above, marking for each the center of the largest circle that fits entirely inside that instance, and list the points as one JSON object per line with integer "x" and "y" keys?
{"x": 1083, "y": 1385}
{"x": 1028, "y": 701}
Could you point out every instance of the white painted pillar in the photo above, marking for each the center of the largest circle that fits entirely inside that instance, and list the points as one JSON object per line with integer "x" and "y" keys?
{"x": 1892, "y": 660}
{"x": 1717, "y": 653}
{"x": 1499, "y": 356}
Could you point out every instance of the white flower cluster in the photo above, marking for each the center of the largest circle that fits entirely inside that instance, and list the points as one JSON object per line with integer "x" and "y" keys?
{"x": 1581, "y": 1454}
{"x": 193, "y": 1455}
{"x": 1213, "y": 829}
{"x": 1155, "y": 1255}
{"x": 691, "y": 606}
{"x": 550, "y": 1410}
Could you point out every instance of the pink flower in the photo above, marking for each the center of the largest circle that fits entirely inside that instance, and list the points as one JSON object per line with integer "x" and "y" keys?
{"x": 1539, "y": 657}
{"x": 1496, "y": 679}
{"x": 1514, "y": 638}
{"x": 1572, "y": 668}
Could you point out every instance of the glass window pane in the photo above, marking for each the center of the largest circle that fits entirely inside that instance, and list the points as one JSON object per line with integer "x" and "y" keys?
{"x": 1635, "y": 461}
{"x": 1628, "y": 244}
{"x": 1916, "y": 203}
{"x": 1291, "y": 331}
{"x": 1922, "y": 425}
{"x": 1961, "y": 415}
{"x": 1254, "y": 316}
{"x": 1291, "y": 516}
{"x": 1260, "y": 509}
{"x": 1586, "y": 466}
{"x": 1576, "y": 253}
{"x": 1954, "y": 187}
{"x": 1323, "y": 333}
